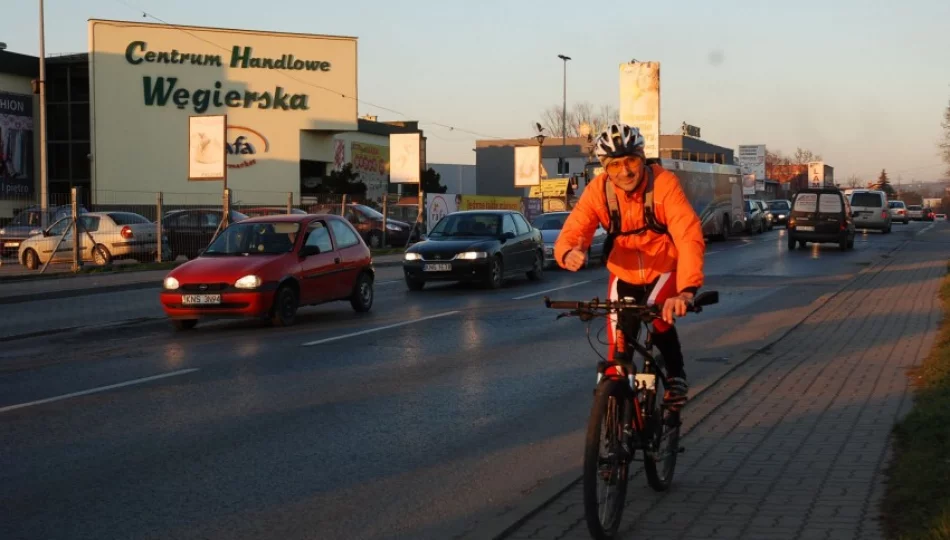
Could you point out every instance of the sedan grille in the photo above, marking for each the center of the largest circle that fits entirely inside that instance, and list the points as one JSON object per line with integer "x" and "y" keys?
{"x": 204, "y": 287}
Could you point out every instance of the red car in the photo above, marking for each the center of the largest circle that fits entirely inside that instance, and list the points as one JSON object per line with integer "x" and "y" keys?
{"x": 267, "y": 267}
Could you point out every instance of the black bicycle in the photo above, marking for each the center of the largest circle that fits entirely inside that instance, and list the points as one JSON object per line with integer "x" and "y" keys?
{"x": 628, "y": 413}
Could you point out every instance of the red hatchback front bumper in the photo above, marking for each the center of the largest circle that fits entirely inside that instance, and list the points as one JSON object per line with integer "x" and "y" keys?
{"x": 250, "y": 304}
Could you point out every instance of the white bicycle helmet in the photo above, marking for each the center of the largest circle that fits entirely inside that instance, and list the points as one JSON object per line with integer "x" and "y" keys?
{"x": 619, "y": 140}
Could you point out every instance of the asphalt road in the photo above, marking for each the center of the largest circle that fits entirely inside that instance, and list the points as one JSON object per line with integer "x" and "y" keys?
{"x": 422, "y": 419}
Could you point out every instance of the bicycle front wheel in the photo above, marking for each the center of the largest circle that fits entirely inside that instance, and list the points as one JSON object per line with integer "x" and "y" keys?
{"x": 606, "y": 458}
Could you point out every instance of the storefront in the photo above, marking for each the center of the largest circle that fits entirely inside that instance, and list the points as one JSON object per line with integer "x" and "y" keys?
{"x": 286, "y": 97}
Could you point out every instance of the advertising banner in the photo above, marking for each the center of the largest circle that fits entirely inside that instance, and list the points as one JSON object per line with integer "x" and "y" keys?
{"x": 527, "y": 166}
{"x": 405, "y": 158}
{"x": 439, "y": 205}
{"x": 556, "y": 187}
{"x": 640, "y": 101}
{"x": 816, "y": 173}
{"x": 371, "y": 162}
{"x": 759, "y": 185}
{"x": 16, "y": 145}
{"x": 752, "y": 160}
{"x": 207, "y": 147}
{"x": 532, "y": 208}
{"x": 748, "y": 184}
{"x": 339, "y": 154}
{"x": 490, "y": 202}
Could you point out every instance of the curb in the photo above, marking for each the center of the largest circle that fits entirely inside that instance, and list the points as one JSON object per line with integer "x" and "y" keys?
{"x": 501, "y": 527}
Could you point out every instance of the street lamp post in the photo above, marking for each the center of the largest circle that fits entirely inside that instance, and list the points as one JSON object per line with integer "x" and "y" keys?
{"x": 44, "y": 183}
{"x": 561, "y": 158}
{"x": 540, "y": 138}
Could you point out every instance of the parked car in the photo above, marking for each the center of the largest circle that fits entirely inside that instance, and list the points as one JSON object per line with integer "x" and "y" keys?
{"x": 486, "y": 246}
{"x": 27, "y": 223}
{"x": 940, "y": 217}
{"x": 870, "y": 210}
{"x": 821, "y": 215}
{"x": 268, "y": 267}
{"x": 755, "y": 218}
{"x": 915, "y": 212}
{"x": 898, "y": 211}
{"x": 766, "y": 213}
{"x": 780, "y": 209}
{"x": 190, "y": 231}
{"x": 104, "y": 237}
{"x": 550, "y": 225}
{"x": 369, "y": 223}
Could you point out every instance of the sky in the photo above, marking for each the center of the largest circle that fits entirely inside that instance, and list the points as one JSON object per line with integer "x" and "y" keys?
{"x": 862, "y": 83}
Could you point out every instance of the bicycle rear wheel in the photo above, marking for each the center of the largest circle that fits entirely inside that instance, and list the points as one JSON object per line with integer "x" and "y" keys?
{"x": 606, "y": 458}
{"x": 663, "y": 439}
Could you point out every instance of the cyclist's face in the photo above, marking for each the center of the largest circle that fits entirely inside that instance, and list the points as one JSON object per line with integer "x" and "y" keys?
{"x": 625, "y": 172}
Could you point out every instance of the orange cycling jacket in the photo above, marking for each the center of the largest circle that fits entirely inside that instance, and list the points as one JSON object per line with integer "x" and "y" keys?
{"x": 640, "y": 259}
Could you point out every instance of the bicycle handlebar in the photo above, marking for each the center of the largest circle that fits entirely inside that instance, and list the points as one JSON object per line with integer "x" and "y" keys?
{"x": 703, "y": 299}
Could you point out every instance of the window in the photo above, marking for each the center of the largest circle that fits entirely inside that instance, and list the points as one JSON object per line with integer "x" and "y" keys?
{"x": 806, "y": 202}
{"x": 509, "y": 225}
{"x": 187, "y": 219}
{"x": 127, "y": 218}
{"x": 89, "y": 223}
{"x": 209, "y": 219}
{"x": 778, "y": 206}
{"x": 896, "y": 204}
{"x": 521, "y": 224}
{"x": 867, "y": 199}
{"x": 550, "y": 222}
{"x": 344, "y": 235}
{"x": 467, "y": 225}
{"x": 59, "y": 227}
{"x": 829, "y": 203}
{"x": 319, "y": 236}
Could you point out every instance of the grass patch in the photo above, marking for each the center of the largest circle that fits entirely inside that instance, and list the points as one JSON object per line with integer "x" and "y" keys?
{"x": 917, "y": 502}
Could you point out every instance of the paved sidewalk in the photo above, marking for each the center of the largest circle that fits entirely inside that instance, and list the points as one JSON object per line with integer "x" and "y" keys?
{"x": 794, "y": 442}
{"x": 83, "y": 285}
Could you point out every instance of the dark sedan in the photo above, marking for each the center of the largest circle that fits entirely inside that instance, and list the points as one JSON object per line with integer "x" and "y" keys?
{"x": 484, "y": 246}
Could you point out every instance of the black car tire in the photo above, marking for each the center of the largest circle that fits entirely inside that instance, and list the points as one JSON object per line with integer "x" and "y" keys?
{"x": 31, "y": 260}
{"x": 538, "y": 271}
{"x": 851, "y": 243}
{"x": 363, "y": 294}
{"x": 415, "y": 284}
{"x": 726, "y": 229}
{"x": 286, "y": 302}
{"x": 101, "y": 255}
{"x": 184, "y": 324}
{"x": 496, "y": 272}
{"x": 887, "y": 230}
{"x": 843, "y": 244}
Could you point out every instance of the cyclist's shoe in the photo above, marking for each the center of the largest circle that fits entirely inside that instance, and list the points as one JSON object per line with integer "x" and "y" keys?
{"x": 676, "y": 393}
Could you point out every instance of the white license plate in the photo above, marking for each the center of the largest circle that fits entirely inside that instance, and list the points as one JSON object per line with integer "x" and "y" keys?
{"x": 438, "y": 267}
{"x": 200, "y": 299}
{"x": 806, "y": 228}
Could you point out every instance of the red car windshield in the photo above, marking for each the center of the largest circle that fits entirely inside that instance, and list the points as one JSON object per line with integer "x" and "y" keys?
{"x": 255, "y": 239}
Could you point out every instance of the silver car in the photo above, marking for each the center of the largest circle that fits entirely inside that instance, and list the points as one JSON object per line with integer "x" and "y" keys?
{"x": 870, "y": 210}
{"x": 550, "y": 225}
{"x": 898, "y": 211}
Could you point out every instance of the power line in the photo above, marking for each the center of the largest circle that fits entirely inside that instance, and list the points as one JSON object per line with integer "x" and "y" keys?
{"x": 148, "y": 15}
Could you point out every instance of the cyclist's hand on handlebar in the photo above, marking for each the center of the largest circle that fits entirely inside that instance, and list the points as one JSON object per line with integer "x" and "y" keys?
{"x": 575, "y": 258}
{"x": 676, "y": 306}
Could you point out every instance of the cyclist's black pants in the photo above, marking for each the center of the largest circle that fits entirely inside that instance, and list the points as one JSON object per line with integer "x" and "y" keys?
{"x": 665, "y": 337}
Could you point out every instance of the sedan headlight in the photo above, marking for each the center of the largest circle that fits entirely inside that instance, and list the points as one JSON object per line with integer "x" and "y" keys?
{"x": 471, "y": 255}
{"x": 413, "y": 256}
{"x": 171, "y": 283}
{"x": 391, "y": 227}
{"x": 248, "y": 282}
{"x": 3, "y": 231}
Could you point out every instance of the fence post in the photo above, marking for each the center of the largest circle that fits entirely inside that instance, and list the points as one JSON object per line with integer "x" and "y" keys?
{"x": 343, "y": 206}
{"x": 77, "y": 251}
{"x": 385, "y": 216}
{"x": 290, "y": 202}
{"x": 158, "y": 226}
{"x": 227, "y": 207}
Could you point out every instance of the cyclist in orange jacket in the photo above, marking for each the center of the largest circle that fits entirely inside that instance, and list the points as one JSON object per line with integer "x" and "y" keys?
{"x": 655, "y": 256}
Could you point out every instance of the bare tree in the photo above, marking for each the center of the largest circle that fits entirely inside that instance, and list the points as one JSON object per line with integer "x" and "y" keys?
{"x": 578, "y": 115}
{"x": 804, "y": 156}
{"x": 854, "y": 181}
{"x": 945, "y": 144}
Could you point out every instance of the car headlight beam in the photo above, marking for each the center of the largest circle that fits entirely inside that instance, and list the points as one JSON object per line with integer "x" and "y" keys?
{"x": 413, "y": 257}
{"x": 171, "y": 283}
{"x": 248, "y": 282}
{"x": 471, "y": 255}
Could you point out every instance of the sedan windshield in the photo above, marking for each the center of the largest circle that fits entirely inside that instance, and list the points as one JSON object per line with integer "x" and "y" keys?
{"x": 778, "y": 206}
{"x": 367, "y": 211}
{"x": 553, "y": 222}
{"x": 255, "y": 239}
{"x": 468, "y": 225}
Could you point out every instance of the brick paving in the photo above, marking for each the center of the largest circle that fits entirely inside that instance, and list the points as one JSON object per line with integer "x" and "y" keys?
{"x": 792, "y": 444}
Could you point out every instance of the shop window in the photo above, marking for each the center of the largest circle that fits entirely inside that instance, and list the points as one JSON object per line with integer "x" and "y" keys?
{"x": 79, "y": 83}
{"x": 59, "y": 161}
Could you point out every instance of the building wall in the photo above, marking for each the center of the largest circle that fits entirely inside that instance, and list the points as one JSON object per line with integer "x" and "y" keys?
{"x": 140, "y": 142}
{"x": 457, "y": 178}
{"x": 15, "y": 84}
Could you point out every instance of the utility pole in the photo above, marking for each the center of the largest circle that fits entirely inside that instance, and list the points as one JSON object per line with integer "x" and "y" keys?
{"x": 44, "y": 179}
{"x": 562, "y": 160}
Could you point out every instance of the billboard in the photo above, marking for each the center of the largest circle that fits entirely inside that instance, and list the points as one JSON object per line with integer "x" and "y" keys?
{"x": 752, "y": 160}
{"x": 439, "y": 205}
{"x": 490, "y": 202}
{"x": 405, "y": 158}
{"x": 16, "y": 145}
{"x": 207, "y": 147}
{"x": 640, "y": 101}
{"x": 527, "y": 166}
{"x": 816, "y": 173}
{"x": 748, "y": 184}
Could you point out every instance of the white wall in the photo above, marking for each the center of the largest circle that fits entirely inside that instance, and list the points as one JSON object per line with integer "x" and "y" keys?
{"x": 457, "y": 178}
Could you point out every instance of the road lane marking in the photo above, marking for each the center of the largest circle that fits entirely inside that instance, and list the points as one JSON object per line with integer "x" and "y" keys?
{"x": 922, "y": 231}
{"x": 99, "y": 389}
{"x": 551, "y": 290}
{"x": 377, "y": 329}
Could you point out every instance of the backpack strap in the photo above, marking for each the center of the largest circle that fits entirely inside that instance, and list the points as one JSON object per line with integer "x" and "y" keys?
{"x": 613, "y": 209}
